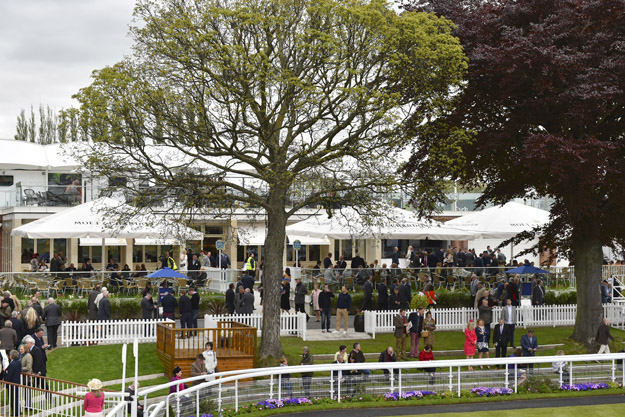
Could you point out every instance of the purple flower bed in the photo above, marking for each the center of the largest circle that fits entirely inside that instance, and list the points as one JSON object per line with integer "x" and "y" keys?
{"x": 491, "y": 392}
{"x": 394, "y": 396}
{"x": 272, "y": 403}
{"x": 586, "y": 386}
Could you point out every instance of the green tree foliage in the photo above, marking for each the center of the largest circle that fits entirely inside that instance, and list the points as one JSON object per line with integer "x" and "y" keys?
{"x": 542, "y": 114}
{"x": 302, "y": 98}
{"x": 64, "y": 126}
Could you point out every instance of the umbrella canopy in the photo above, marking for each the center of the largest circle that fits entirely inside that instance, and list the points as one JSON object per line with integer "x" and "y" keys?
{"x": 400, "y": 224}
{"x": 501, "y": 222}
{"x": 166, "y": 273}
{"x": 89, "y": 220}
{"x": 526, "y": 269}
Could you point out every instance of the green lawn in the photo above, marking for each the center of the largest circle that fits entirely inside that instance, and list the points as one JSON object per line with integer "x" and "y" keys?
{"x": 446, "y": 340}
{"x": 585, "y": 411}
{"x": 81, "y": 363}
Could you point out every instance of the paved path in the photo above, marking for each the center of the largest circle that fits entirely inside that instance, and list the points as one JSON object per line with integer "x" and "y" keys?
{"x": 470, "y": 407}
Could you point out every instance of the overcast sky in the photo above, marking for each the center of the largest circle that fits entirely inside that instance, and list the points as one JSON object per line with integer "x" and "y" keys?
{"x": 48, "y": 49}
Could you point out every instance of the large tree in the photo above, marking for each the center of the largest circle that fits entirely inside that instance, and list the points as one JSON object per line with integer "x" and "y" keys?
{"x": 300, "y": 98}
{"x": 542, "y": 113}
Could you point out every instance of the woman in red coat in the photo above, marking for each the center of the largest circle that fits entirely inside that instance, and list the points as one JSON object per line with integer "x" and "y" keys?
{"x": 470, "y": 341}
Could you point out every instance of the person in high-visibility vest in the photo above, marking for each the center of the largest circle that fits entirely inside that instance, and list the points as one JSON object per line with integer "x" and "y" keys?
{"x": 171, "y": 263}
{"x": 251, "y": 264}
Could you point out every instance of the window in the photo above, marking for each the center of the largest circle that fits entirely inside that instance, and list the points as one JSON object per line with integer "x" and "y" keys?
{"x": 6, "y": 180}
{"x": 60, "y": 245}
{"x": 113, "y": 252}
{"x": 150, "y": 253}
{"x": 96, "y": 254}
{"x": 28, "y": 250}
{"x": 346, "y": 249}
{"x": 314, "y": 253}
{"x": 137, "y": 254}
{"x": 213, "y": 230}
{"x": 43, "y": 249}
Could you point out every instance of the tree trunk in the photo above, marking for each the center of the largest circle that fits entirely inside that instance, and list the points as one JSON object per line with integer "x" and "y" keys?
{"x": 588, "y": 257}
{"x": 270, "y": 347}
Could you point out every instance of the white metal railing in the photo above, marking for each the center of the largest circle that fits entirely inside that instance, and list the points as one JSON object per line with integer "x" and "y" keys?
{"x": 290, "y": 323}
{"x": 109, "y": 332}
{"x": 378, "y": 321}
{"x": 400, "y": 377}
{"x": 41, "y": 396}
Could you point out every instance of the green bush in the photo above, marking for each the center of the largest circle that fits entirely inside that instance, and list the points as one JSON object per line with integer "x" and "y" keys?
{"x": 418, "y": 300}
{"x": 123, "y": 308}
{"x": 566, "y": 297}
{"x": 452, "y": 299}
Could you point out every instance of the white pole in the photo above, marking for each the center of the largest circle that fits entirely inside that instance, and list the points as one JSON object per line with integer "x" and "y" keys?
{"x": 124, "y": 354}
{"x": 135, "y": 351}
{"x": 221, "y": 274}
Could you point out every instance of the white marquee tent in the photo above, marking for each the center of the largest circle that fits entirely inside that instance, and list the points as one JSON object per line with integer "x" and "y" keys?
{"x": 399, "y": 224}
{"x": 501, "y": 222}
{"x": 89, "y": 221}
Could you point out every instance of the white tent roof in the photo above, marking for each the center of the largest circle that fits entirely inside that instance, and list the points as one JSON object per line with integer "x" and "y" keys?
{"x": 18, "y": 154}
{"x": 255, "y": 236}
{"x": 88, "y": 221}
{"x": 94, "y": 241}
{"x": 400, "y": 224}
{"x": 501, "y": 222}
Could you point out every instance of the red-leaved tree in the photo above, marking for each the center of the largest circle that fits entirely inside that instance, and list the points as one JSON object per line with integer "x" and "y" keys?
{"x": 542, "y": 113}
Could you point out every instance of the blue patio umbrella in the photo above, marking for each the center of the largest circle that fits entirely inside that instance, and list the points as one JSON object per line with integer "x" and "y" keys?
{"x": 166, "y": 273}
{"x": 526, "y": 269}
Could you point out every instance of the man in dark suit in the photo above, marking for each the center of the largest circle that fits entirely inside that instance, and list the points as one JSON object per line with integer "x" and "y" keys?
{"x": 431, "y": 260}
{"x": 194, "y": 266}
{"x": 12, "y": 375}
{"x": 91, "y": 307}
{"x": 327, "y": 261}
{"x": 104, "y": 307}
{"x": 368, "y": 294}
{"x": 538, "y": 294}
{"x": 130, "y": 398}
{"x": 529, "y": 344}
{"x": 382, "y": 296}
{"x": 186, "y": 313}
{"x": 406, "y": 293}
{"x": 18, "y": 325}
{"x": 500, "y": 339}
{"x": 416, "y": 319}
{"x": 147, "y": 307}
{"x": 395, "y": 256}
{"x": 39, "y": 362}
{"x": 52, "y": 316}
{"x": 230, "y": 298}
{"x": 357, "y": 262}
{"x": 247, "y": 280}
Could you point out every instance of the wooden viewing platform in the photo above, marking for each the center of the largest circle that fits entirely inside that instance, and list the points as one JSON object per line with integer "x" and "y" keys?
{"x": 234, "y": 343}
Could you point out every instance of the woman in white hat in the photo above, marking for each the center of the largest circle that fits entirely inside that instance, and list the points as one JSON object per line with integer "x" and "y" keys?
{"x": 94, "y": 400}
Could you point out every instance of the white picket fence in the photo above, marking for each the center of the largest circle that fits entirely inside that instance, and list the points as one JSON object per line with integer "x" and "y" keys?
{"x": 109, "y": 332}
{"x": 527, "y": 316}
{"x": 291, "y": 324}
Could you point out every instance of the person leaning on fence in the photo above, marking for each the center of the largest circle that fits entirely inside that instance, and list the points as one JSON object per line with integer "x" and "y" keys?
{"x": 603, "y": 336}
{"x": 198, "y": 367}
{"x": 386, "y": 356}
{"x": 177, "y": 376}
{"x": 529, "y": 345}
{"x": 94, "y": 399}
{"x": 427, "y": 355}
{"x": 285, "y": 381}
{"x": 131, "y": 391}
{"x": 561, "y": 368}
{"x": 307, "y": 359}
